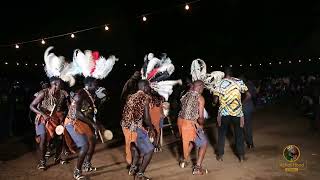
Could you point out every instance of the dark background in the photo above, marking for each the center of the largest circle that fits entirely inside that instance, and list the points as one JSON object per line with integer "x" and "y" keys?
{"x": 220, "y": 32}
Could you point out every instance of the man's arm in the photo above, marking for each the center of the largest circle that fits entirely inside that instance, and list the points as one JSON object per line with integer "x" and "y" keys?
{"x": 248, "y": 96}
{"x": 75, "y": 109}
{"x": 146, "y": 114}
{"x": 201, "y": 111}
{"x": 36, "y": 102}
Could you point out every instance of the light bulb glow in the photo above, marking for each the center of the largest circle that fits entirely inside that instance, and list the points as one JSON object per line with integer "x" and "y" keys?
{"x": 144, "y": 18}
{"x": 36, "y": 64}
{"x": 186, "y": 7}
{"x": 43, "y": 42}
{"x": 17, "y": 46}
{"x": 17, "y": 64}
{"x": 72, "y": 35}
{"x": 106, "y": 28}
{"x": 6, "y": 63}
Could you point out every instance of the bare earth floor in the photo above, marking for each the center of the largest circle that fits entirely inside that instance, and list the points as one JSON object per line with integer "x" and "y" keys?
{"x": 274, "y": 128}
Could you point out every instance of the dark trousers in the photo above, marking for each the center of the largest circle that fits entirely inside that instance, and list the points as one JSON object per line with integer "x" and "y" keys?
{"x": 226, "y": 121}
{"x": 248, "y": 127}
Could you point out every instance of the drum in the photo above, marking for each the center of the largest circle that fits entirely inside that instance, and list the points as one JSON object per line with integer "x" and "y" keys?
{"x": 108, "y": 135}
{"x": 59, "y": 130}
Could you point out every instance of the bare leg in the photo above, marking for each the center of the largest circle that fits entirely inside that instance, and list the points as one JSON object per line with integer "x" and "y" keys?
{"x": 135, "y": 154}
{"x": 145, "y": 162}
{"x": 82, "y": 155}
{"x": 201, "y": 154}
{"x": 92, "y": 145}
{"x": 42, "y": 147}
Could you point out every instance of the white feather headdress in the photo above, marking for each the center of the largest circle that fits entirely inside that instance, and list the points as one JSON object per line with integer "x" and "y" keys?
{"x": 90, "y": 64}
{"x": 199, "y": 72}
{"x": 157, "y": 71}
{"x": 57, "y": 67}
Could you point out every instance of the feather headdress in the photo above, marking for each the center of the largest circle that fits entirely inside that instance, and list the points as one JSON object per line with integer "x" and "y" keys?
{"x": 199, "y": 72}
{"x": 91, "y": 64}
{"x": 57, "y": 67}
{"x": 157, "y": 71}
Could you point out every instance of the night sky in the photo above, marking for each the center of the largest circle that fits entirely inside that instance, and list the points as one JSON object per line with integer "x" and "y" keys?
{"x": 220, "y": 32}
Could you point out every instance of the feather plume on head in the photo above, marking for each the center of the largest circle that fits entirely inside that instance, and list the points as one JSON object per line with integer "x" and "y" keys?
{"x": 199, "y": 72}
{"x": 57, "y": 67}
{"x": 157, "y": 71}
{"x": 91, "y": 64}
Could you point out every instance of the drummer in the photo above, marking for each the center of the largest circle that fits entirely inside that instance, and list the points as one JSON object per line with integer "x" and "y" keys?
{"x": 50, "y": 106}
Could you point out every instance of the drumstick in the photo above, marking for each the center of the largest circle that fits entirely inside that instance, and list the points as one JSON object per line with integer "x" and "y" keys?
{"x": 100, "y": 135}
{"x": 54, "y": 106}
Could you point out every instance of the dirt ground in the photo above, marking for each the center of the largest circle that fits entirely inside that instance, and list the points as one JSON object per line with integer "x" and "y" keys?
{"x": 274, "y": 128}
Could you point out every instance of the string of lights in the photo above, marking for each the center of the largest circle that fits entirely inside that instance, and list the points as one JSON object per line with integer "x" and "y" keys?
{"x": 279, "y": 63}
{"x": 43, "y": 40}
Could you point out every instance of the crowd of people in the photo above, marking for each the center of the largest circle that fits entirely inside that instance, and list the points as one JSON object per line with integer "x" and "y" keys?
{"x": 147, "y": 99}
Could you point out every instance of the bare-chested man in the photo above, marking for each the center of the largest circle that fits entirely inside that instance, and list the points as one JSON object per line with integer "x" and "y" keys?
{"x": 191, "y": 121}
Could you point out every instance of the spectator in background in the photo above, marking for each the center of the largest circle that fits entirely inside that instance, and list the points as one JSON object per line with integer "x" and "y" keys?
{"x": 248, "y": 109}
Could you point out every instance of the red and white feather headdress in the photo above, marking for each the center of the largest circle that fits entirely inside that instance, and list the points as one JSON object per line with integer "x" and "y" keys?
{"x": 91, "y": 64}
{"x": 157, "y": 71}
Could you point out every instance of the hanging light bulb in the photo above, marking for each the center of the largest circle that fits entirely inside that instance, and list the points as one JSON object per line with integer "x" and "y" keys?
{"x": 221, "y": 66}
{"x": 36, "y": 64}
{"x": 309, "y": 60}
{"x": 18, "y": 64}
{"x": 43, "y": 42}
{"x": 299, "y": 61}
{"x": 186, "y": 7}
{"x": 125, "y": 64}
{"x": 250, "y": 65}
{"x": 240, "y": 65}
{"x": 72, "y": 35}
{"x": 17, "y": 46}
{"x": 144, "y": 18}
{"x": 26, "y": 64}
{"x": 260, "y": 64}
{"x": 106, "y": 28}
{"x": 289, "y": 62}
{"x": 279, "y": 62}
{"x": 134, "y": 65}
{"x": 6, "y": 63}
{"x": 211, "y": 66}
{"x": 230, "y": 65}
{"x": 270, "y": 63}
{"x": 182, "y": 66}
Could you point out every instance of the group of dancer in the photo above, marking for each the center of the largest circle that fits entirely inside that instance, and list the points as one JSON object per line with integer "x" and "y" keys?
{"x": 145, "y": 97}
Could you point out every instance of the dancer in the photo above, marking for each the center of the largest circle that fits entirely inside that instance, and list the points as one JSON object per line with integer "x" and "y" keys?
{"x": 136, "y": 126}
{"x": 80, "y": 125}
{"x": 157, "y": 115}
{"x": 50, "y": 105}
{"x": 191, "y": 121}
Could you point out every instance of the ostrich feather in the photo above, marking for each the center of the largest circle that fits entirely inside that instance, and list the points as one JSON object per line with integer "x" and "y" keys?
{"x": 198, "y": 70}
{"x": 151, "y": 65}
{"x": 103, "y": 67}
{"x": 165, "y": 88}
{"x": 53, "y": 64}
{"x": 83, "y": 61}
